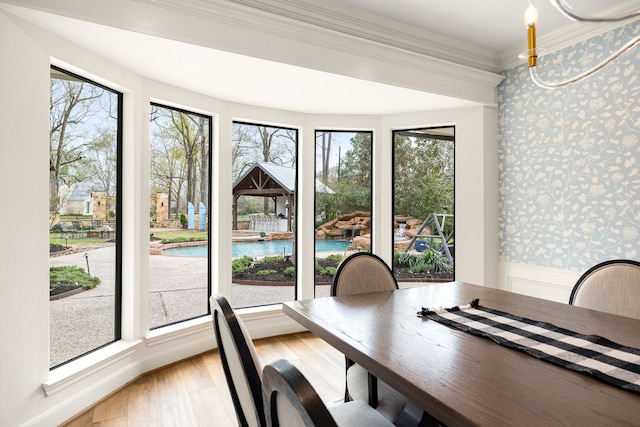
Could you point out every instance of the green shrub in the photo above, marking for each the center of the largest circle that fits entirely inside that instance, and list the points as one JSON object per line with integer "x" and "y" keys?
{"x": 54, "y": 247}
{"x": 406, "y": 259}
{"x": 334, "y": 257}
{"x": 290, "y": 271}
{"x": 265, "y": 272}
{"x": 274, "y": 258}
{"x": 71, "y": 274}
{"x": 422, "y": 262}
{"x": 241, "y": 264}
{"x": 329, "y": 271}
{"x": 419, "y": 268}
{"x": 441, "y": 264}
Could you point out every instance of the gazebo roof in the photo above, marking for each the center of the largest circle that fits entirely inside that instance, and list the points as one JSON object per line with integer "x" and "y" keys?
{"x": 270, "y": 179}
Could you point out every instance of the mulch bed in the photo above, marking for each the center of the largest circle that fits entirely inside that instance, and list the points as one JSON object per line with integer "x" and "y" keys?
{"x": 250, "y": 276}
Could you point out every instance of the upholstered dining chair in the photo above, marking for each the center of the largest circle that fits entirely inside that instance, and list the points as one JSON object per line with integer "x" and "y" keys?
{"x": 240, "y": 363}
{"x": 364, "y": 272}
{"x": 611, "y": 286}
{"x": 290, "y": 401}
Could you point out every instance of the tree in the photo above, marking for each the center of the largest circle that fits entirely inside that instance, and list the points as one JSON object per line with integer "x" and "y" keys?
{"x": 102, "y": 163}
{"x": 349, "y": 177}
{"x": 325, "y": 150}
{"x": 166, "y": 167}
{"x": 354, "y": 185}
{"x": 423, "y": 176}
{"x": 80, "y": 121}
{"x": 179, "y": 149}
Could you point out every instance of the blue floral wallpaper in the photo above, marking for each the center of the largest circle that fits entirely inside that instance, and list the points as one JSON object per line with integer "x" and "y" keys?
{"x": 569, "y": 158}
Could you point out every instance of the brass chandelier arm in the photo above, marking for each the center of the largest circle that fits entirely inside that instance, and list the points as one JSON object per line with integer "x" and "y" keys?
{"x": 552, "y": 85}
{"x": 571, "y": 13}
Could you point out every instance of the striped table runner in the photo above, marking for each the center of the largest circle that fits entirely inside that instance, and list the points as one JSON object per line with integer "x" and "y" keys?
{"x": 605, "y": 360}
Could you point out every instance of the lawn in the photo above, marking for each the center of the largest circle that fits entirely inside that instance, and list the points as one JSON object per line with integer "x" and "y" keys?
{"x": 180, "y": 235}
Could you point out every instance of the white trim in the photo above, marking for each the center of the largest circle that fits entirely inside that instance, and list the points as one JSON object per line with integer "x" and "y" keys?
{"x": 336, "y": 17}
{"x": 163, "y": 335}
{"x": 540, "y": 282}
{"x": 88, "y": 366}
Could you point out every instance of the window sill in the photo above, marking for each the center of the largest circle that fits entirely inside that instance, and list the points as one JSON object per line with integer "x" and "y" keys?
{"x": 67, "y": 375}
{"x": 248, "y": 315}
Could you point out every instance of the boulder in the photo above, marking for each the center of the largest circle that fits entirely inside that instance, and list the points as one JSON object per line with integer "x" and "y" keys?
{"x": 414, "y": 223}
{"x": 361, "y": 242}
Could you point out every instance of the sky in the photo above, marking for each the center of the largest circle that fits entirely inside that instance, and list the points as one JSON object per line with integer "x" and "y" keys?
{"x": 339, "y": 139}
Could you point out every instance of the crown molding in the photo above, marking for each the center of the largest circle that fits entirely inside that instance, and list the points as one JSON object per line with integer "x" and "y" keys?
{"x": 303, "y": 20}
{"x": 270, "y": 19}
{"x": 263, "y": 15}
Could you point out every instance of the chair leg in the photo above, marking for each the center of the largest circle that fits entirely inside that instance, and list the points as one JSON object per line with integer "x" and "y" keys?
{"x": 372, "y": 385}
{"x": 373, "y": 390}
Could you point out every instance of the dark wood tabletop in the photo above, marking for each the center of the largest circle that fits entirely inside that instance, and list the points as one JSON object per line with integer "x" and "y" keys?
{"x": 466, "y": 380}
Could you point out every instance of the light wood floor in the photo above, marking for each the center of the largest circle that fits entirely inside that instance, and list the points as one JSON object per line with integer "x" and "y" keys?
{"x": 194, "y": 392}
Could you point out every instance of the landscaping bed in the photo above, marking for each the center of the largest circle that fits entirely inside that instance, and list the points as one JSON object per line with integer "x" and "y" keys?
{"x": 69, "y": 280}
{"x": 272, "y": 270}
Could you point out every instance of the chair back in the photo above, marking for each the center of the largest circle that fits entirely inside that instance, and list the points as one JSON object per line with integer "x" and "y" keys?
{"x": 289, "y": 399}
{"x": 360, "y": 273}
{"x": 240, "y": 363}
{"x": 611, "y": 286}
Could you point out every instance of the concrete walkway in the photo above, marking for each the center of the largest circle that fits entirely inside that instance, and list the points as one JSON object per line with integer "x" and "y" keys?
{"x": 84, "y": 321}
{"x": 81, "y": 322}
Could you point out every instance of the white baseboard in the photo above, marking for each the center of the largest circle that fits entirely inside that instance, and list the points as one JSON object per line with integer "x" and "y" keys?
{"x": 541, "y": 282}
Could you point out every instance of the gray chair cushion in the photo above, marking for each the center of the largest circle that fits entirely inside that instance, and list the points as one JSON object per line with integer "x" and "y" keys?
{"x": 357, "y": 414}
{"x": 612, "y": 287}
{"x": 362, "y": 273}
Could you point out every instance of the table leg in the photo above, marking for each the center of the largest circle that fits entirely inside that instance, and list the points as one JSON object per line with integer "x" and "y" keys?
{"x": 414, "y": 416}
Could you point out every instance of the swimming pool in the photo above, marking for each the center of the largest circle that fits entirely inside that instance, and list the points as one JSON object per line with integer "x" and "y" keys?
{"x": 264, "y": 248}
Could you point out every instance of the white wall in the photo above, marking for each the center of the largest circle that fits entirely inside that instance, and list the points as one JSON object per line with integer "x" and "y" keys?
{"x": 23, "y": 168}
{"x": 30, "y": 394}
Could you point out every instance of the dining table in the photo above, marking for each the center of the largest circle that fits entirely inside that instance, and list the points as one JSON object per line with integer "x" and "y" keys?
{"x": 463, "y": 379}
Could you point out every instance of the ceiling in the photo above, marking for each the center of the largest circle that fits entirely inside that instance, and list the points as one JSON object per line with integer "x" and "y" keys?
{"x": 493, "y": 26}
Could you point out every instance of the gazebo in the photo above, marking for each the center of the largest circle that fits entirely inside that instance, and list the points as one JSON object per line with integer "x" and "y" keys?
{"x": 266, "y": 179}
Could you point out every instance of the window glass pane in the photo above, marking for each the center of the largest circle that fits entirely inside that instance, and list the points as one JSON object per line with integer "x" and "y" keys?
{"x": 179, "y": 211}
{"x": 264, "y": 187}
{"x": 342, "y": 201}
{"x": 84, "y": 148}
{"x": 423, "y": 194}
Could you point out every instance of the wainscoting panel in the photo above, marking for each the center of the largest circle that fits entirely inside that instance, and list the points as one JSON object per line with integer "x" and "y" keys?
{"x": 540, "y": 282}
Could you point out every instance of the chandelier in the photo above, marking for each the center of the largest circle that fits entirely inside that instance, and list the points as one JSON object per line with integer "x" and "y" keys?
{"x": 530, "y": 19}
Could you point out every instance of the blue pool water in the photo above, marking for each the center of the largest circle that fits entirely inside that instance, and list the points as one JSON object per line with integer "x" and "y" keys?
{"x": 267, "y": 247}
